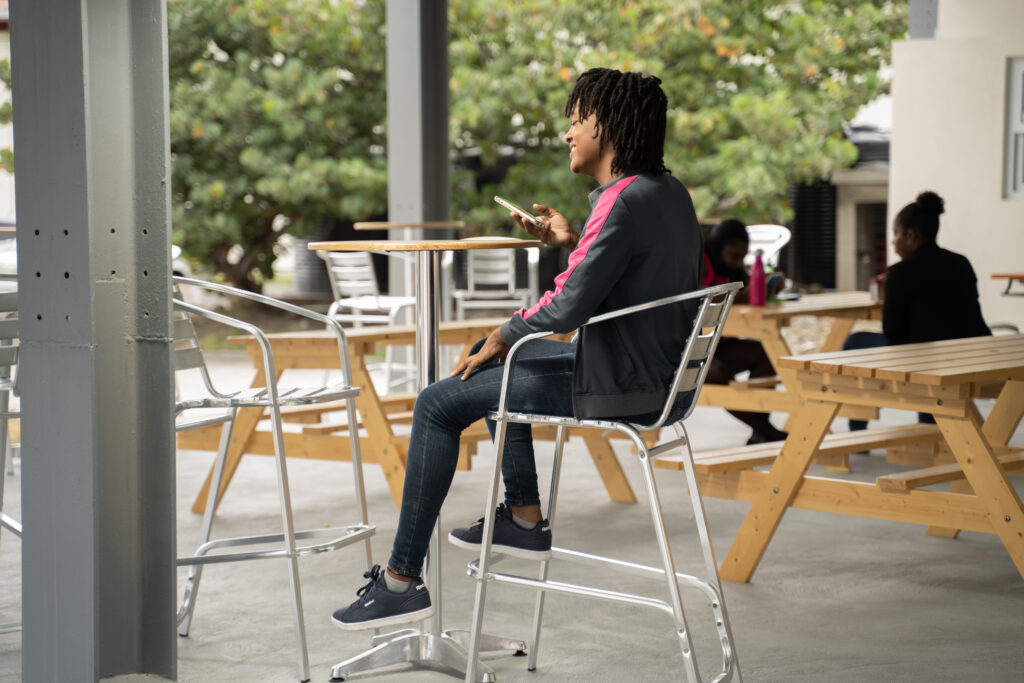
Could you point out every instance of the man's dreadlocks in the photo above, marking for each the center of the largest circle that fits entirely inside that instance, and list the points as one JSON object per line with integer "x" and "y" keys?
{"x": 630, "y": 110}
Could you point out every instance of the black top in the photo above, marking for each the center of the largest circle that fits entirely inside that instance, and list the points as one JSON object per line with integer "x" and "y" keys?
{"x": 640, "y": 243}
{"x": 932, "y": 295}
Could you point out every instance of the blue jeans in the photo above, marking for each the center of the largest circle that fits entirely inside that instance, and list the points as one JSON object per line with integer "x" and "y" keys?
{"x": 870, "y": 340}
{"x": 541, "y": 383}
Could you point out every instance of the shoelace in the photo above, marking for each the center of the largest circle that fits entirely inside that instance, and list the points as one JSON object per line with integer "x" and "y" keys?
{"x": 501, "y": 512}
{"x": 373, "y": 575}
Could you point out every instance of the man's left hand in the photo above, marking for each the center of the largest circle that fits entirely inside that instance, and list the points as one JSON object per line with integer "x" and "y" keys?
{"x": 494, "y": 348}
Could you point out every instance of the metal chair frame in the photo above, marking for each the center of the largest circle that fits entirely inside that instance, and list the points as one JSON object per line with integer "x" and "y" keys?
{"x": 689, "y": 377}
{"x": 189, "y": 356}
{"x": 354, "y": 287}
{"x": 8, "y": 385}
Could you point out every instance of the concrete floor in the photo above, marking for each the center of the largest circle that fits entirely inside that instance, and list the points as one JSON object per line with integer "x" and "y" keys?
{"x": 835, "y": 598}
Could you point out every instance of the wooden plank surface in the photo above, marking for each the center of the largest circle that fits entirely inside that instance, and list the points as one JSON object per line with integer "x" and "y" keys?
{"x": 938, "y": 474}
{"x": 743, "y": 457}
{"x": 422, "y": 245}
{"x": 428, "y": 225}
{"x": 936, "y": 363}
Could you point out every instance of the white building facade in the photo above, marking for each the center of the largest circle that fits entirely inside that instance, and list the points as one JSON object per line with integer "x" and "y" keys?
{"x": 953, "y": 122}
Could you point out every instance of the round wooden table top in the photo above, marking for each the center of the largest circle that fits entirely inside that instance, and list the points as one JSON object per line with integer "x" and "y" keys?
{"x": 429, "y": 225}
{"x": 424, "y": 245}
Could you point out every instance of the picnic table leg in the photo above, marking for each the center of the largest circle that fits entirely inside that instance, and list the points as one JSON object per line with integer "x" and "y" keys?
{"x": 837, "y": 334}
{"x": 998, "y": 428}
{"x": 608, "y": 467}
{"x": 245, "y": 424}
{"x": 776, "y": 347}
{"x": 390, "y": 453}
{"x": 987, "y": 477}
{"x": 781, "y": 485}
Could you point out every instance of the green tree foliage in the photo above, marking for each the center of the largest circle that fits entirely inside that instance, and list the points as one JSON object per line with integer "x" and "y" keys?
{"x": 278, "y": 106}
{"x": 758, "y": 92}
{"x": 277, "y": 118}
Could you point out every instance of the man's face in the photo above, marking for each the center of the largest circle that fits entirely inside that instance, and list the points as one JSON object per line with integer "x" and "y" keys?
{"x": 584, "y": 147}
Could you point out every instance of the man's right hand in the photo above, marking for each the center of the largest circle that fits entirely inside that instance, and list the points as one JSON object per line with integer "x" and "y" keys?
{"x": 554, "y": 229}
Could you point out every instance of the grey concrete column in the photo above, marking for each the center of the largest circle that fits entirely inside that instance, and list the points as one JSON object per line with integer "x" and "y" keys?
{"x": 417, "y": 91}
{"x": 92, "y": 167}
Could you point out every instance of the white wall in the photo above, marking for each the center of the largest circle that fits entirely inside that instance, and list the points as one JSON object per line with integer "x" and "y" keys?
{"x": 949, "y": 126}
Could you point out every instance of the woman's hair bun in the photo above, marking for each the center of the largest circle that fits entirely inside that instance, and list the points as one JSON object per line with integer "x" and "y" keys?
{"x": 932, "y": 203}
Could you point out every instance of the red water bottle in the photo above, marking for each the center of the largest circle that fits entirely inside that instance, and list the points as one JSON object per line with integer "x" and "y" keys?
{"x": 757, "y": 288}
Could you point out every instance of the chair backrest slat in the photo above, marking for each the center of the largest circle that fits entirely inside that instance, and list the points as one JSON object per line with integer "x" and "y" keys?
{"x": 188, "y": 358}
{"x": 351, "y": 274}
{"x": 8, "y": 302}
{"x": 8, "y": 357}
{"x": 8, "y": 329}
{"x": 700, "y": 346}
{"x": 491, "y": 269}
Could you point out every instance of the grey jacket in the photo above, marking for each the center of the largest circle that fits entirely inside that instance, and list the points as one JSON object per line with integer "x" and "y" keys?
{"x": 640, "y": 243}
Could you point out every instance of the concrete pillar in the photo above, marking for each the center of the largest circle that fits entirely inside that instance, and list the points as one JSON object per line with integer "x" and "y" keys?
{"x": 417, "y": 91}
{"x": 92, "y": 163}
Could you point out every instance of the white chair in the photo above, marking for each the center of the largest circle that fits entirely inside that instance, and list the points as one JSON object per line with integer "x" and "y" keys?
{"x": 358, "y": 301}
{"x": 214, "y": 406}
{"x": 770, "y": 239}
{"x": 712, "y": 308}
{"x": 491, "y": 280}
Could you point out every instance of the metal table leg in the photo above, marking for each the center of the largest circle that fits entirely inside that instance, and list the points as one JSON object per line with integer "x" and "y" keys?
{"x": 433, "y": 649}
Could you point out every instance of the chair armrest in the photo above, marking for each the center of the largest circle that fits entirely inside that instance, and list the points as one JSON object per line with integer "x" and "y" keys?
{"x": 717, "y": 290}
{"x": 333, "y": 325}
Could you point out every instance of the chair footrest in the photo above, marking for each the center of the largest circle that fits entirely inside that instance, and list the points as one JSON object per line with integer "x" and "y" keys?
{"x": 349, "y": 534}
{"x": 745, "y": 457}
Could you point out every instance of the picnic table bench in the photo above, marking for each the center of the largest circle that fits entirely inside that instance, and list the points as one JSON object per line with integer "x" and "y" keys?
{"x": 940, "y": 378}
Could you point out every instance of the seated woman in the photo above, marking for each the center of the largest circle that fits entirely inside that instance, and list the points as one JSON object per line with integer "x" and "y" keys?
{"x": 726, "y": 245}
{"x": 930, "y": 295}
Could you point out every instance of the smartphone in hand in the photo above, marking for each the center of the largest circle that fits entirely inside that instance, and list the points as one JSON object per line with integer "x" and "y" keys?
{"x": 526, "y": 215}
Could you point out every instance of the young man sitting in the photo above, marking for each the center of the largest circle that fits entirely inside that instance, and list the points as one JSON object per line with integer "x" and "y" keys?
{"x": 640, "y": 243}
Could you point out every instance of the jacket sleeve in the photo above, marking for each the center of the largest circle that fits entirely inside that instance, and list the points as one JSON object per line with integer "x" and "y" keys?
{"x": 595, "y": 265}
{"x": 896, "y": 308}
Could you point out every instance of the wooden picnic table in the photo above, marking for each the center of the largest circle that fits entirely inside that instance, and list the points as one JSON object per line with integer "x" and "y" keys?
{"x": 1010, "y": 279}
{"x": 379, "y": 414}
{"x": 938, "y": 378}
{"x": 765, "y": 323}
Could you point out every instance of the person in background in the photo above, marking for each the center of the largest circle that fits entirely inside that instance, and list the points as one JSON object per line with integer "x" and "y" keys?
{"x": 726, "y": 245}
{"x": 930, "y": 295}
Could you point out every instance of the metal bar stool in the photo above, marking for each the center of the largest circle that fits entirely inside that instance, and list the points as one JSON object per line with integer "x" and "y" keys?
{"x": 713, "y": 307}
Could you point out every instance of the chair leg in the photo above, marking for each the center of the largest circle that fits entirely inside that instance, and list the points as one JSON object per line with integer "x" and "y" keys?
{"x": 5, "y": 434}
{"x": 689, "y": 656}
{"x": 357, "y": 473}
{"x": 4, "y": 455}
{"x": 483, "y": 565}
{"x": 195, "y": 572}
{"x": 729, "y": 657}
{"x": 538, "y": 611}
{"x": 289, "y": 539}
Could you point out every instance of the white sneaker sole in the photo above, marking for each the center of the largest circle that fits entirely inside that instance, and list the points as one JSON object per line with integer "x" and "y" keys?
{"x": 418, "y": 615}
{"x": 511, "y": 551}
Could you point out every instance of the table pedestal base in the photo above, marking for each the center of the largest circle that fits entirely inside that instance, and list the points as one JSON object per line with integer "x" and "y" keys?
{"x": 445, "y": 652}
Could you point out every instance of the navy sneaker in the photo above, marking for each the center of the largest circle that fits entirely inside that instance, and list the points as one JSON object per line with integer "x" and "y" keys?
{"x": 377, "y": 606}
{"x": 509, "y": 538}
